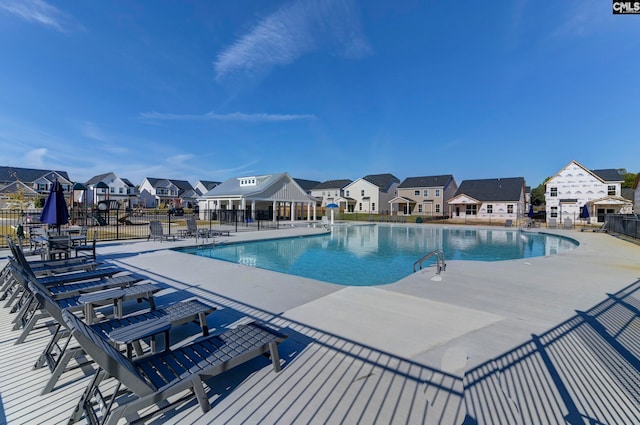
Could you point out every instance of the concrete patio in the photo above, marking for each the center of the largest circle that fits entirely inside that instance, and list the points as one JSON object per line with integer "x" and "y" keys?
{"x": 534, "y": 341}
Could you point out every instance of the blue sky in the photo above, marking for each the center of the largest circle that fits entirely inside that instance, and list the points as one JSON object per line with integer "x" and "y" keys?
{"x": 319, "y": 89}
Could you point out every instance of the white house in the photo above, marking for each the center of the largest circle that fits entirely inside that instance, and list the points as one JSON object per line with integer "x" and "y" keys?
{"x": 167, "y": 192}
{"x": 108, "y": 187}
{"x": 372, "y": 193}
{"x": 203, "y": 186}
{"x": 269, "y": 196}
{"x": 329, "y": 192}
{"x": 575, "y": 186}
{"x": 636, "y": 195}
{"x": 498, "y": 199}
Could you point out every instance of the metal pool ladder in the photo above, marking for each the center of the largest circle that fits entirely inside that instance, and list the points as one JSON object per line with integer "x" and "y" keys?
{"x": 441, "y": 263}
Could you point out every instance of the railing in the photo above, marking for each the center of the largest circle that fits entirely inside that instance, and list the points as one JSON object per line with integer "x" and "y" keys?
{"x": 121, "y": 224}
{"x": 625, "y": 224}
{"x": 441, "y": 264}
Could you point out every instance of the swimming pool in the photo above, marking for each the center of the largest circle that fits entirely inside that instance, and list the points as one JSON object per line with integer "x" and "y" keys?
{"x": 366, "y": 255}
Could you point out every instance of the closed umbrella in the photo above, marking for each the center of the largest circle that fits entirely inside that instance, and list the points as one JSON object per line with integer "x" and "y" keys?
{"x": 584, "y": 213}
{"x": 55, "y": 211}
{"x": 531, "y": 213}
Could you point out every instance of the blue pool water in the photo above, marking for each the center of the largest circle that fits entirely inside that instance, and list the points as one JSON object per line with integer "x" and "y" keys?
{"x": 365, "y": 255}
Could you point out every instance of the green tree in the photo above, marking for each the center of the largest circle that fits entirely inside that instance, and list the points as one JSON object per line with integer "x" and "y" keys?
{"x": 629, "y": 178}
{"x": 537, "y": 194}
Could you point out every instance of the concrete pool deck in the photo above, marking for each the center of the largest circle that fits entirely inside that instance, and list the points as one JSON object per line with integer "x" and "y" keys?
{"x": 542, "y": 340}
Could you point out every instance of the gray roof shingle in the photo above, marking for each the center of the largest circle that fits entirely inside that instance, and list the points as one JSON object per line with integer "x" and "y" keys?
{"x": 500, "y": 189}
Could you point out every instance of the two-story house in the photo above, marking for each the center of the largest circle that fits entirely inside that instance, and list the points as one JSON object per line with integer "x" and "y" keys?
{"x": 156, "y": 192}
{"x": 425, "y": 195}
{"x": 332, "y": 192}
{"x": 32, "y": 183}
{"x": 372, "y": 193}
{"x": 110, "y": 187}
{"x": 498, "y": 199}
{"x": 575, "y": 186}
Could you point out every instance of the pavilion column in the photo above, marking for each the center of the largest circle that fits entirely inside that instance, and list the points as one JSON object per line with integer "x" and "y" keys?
{"x": 275, "y": 211}
{"x": 308, "y": 211}
{"x": 253, "y": 210}
{"x": 293, "y": 211}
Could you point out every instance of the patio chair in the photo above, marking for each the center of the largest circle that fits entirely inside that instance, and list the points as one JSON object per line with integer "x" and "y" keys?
{"x": 508, "y": 223}
{"x": 567, "y": 224}
{"x": 157, "y": 232}
{"x": 57, "y": 356}
{"x": 151, "y": 380}
{"x": 88, "y": 247}
{"x": 552, "y": 223}
{"x": 32, "y": 311}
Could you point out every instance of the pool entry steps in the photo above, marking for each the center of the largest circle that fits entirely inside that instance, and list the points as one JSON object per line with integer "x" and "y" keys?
{"x": 441, "y": 264}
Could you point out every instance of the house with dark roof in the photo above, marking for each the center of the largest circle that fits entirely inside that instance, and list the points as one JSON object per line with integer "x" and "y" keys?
{"x": 161, "y": 193}
{"x": 203, "y": 186}
{"x": 426, "y": 195}
{"x": 307, "y": 185}
{"x": 372, "y": 193}
{"x": 107, "y": 187}
{"x": 272, "y": 196}
{"x": 332, "y": 192}
{"x": 40, "y": 181}
{"x": 497, "y": 200}
{"x": 575, "y": 186}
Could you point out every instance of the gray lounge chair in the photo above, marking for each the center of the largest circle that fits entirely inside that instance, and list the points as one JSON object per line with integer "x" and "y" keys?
{"x": 88, "y": 247}
{"x": 153, "y": 379}
{"x": 157, "y": 232}
{"x": 57, "y": 356}
{"x": 32, "y": 310}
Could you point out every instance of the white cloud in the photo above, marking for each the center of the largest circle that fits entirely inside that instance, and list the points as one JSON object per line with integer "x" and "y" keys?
{"x": 292, "y": 31}
{"x": 236, "y": 116}
{"x": 37, "y": 11}
{"x": 35, "y": 157}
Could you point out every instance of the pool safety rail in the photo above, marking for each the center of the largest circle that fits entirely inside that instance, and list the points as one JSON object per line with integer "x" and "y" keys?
{"x": 441, "y": 263}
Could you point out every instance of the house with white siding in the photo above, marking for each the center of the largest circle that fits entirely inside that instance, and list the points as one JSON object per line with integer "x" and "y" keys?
{"x": 161, "y": 193}
{"x": 108, "y": 187}
{"x": 270, "y": 196}
{"x": 203, "y": 186}
{"x": 332, "y": 192}
{"x": 372, "y": 193}
{"x": 575, "y": 186}
{"x": 498, "y": 199}
{"x": 425, "y": 196}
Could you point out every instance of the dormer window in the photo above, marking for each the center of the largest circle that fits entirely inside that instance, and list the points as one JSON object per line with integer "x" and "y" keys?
{"x": 247, "y": 181}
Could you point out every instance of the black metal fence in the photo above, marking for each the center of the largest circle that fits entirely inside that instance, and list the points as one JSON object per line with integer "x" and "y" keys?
{"x": 625, "y": 224}
{"x": 123, "y": 225}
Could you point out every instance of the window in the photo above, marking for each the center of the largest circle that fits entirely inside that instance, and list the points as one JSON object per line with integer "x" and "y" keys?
{"x": 112, "y": 190}
{"x": 554, "y": 212}
{"x": 42, "y": 187}
{"x": 437, "y": 193}
{"x": 490, "y": 209}
{"x": 510, "y": 209}
{"x": 419, "y": 208}
{"x": 472, "y": 209}
{"x": 361, "y": 192}
{"x": 611, "y": 190}
{"x": 437, "y": 208}
{"x": 373, "y": 206}
{"x": 346, "y": 193}
{"x": 360, "y": 206}
{"x": 553, "y": 192}
{"x": 323, "y": 193}
{"x": 121, "y": 190}
{"x": 425, "y": 193}
{"x": 416, "y": 193}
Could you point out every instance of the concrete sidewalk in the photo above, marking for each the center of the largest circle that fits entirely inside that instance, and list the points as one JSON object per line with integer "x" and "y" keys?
{"x": 522, "y": 341}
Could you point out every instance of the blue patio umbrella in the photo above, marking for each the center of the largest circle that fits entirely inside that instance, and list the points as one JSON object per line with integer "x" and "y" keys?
{"x": 55, "y": 211}
{"x": 332, "y": 207}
